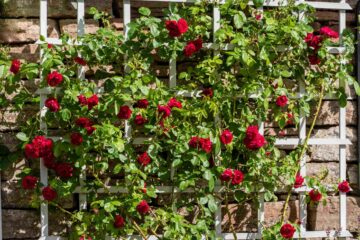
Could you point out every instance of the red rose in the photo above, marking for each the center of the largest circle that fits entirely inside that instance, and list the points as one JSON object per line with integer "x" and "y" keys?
{"x": 92, "y": 101}
{"x": 76, "y": 138}
{"x": 64, "y": 170}
{"x": 227, "y": 175}
{"x": 52, "y": 104}
{"x": 208, "y": 92}
{"x": 299, "y": 180}
{"x": 189, "y": 49}
{"x": 125, "y": 112}
{"x": 164, "y": 111}
{"x": 182, "y": 25}
{"x": 84, "y": 238}
{"x": 80, "y": 61}
{"x": 344, "y": 187}
{"x": 226, "y": 137}
{"x": 281, "y": 101}
{"x": 198, "y": 44}
{"x": 15, "y": 66}
{"x": 313, "y": 41}
{"x": 174, "y": 103}
{"x": 144, "y": 159}
{"x": 83, "y": 122}
{"x": 176, "y": 28}
{"x": 253, "y": 139}
{"x": 289, "y": 118}
{"x": 314, "y": 59}
{"x": 54, "y": 78}
{"x": 82, "y": 100}
{"x": 258, "y": 17}
{"x": 139, "y": 120}
{"x": 90, "y": 130}
{"x": 39, "y": 147}
{"x": 287, "y": 231}
{"x": 49, "y": 193}
{"x": 31, "y": 151}
{"x": 328, "y": 32}
{"x": 49, "y": 46}
{"x": 143, "y": 207}
{"x": 193, "y": 143}
{"x": 119, "y": 221}
{"x": 205, "y": 144}
{"x": 142, "y": 103}
{"x": 29, "y": 182}
{"x": 238, "y": 177}
{"x": 315, "y": 195}
{"x": 49, "y": 161}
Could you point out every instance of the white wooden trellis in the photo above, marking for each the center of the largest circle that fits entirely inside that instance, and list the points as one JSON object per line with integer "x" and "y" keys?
{"x": 341, "y": 141}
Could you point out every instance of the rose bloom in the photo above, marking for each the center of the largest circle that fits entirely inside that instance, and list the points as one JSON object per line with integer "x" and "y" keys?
{"x": 189, "y": 49}
{"x": 49, "y": 161}
{"x": 29, "y": 182}
{"x": 174, "y": 103}
{"x": 15, "y": 66}
{"x": 194, "y": 141}
{"x": 76, "y": 138}
{"x": 143, "y": 207}
{"x": 54, "y": 78}
{"x": 125, "y": 112}
{"x": 83, "y": 122}
{"x": 287, "y": 231}
{"x": 64, "y": 170}
{"x": 164, "y": 111}
{"x": 49, "y": 193}
{"x": 227, "y": 175}
{"x": 205, "y": 144}
{"x": 139, "y": 120}
{"x": 299, "y": 180}
{"x": 344, "y": 187}
{"x": 208, "y": 92}
{"x": 90, "y": 130}
{"x": 326, "y": 31}
{"x": 144, "y": 159}
{"x": 52, "y": 104}
{"x": 281, "y": 101}
{"x": 313, "y": 41}
{"x": 84, "y": 238}
{"x": 92, "y": 101}
{"x": 176, "y": 28}
{"x": 82, "y": 100}
{"x": 80, "y": 61}
{"x": 253, "y": 139}
{"x": 289, "y": 118}
{"x": 119, "y": 221}
{"x": 198, "y": 44}
{"x": 226, "y": 137}
{"x": 39, "y": 147}
{"x": 314, "y": 59}
{"x": 258, "y": 17}
{"x": 315, "y": 195}
{"x": 142, "y": 103}
{"x": 238, "y": 177}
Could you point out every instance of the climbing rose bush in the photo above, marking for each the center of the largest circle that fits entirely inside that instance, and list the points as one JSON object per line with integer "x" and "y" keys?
{"x": 192, "y": 143}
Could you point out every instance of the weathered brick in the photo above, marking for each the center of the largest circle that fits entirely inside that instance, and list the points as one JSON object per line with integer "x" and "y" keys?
{"x": 56, "y": 8}
{"x": 327, "y": 217}
{"x": 28, "y": 52}
{"x": 331, "y": 152}
{"x": 27, "y": 223}
{"x": 24, "y": 30}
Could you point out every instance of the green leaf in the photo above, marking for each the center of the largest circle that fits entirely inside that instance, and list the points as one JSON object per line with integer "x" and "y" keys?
{"x": 357, "y": 88}
{"x": 239, "y": 19}
{"x": 212, "y": 203}
{"x": 342, "y": 97}
{"x": 22, "y": 137}
{"x": 144, "y": 11}
{"x": 65, "y": 114}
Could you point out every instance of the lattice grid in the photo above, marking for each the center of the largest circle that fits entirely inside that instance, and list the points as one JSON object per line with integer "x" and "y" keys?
{"x": 341, "y": 141}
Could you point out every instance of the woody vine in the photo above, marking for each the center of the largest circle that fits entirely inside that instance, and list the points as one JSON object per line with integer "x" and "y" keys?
{"x": 209, "y": 137}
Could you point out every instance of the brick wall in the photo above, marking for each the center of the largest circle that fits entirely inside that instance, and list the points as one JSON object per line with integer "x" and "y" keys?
{"x": 19, "y": 29}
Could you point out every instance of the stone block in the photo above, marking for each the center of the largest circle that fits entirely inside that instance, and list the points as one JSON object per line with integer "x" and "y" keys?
{"x": 24, "y": 30}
